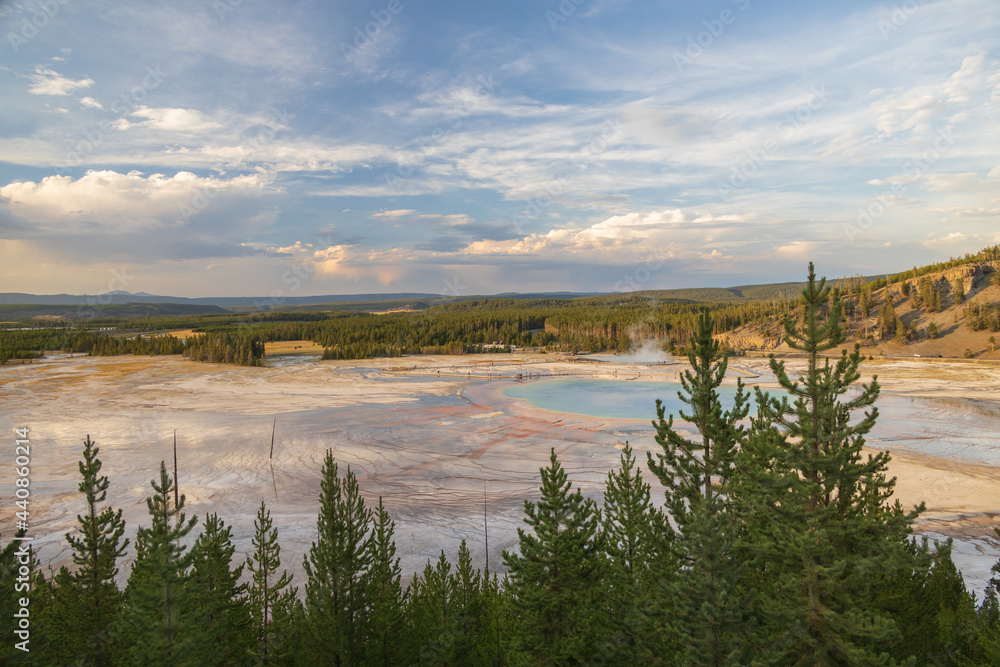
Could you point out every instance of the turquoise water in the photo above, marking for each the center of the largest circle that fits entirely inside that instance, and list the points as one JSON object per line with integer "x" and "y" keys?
{"x": 609, "y": 399}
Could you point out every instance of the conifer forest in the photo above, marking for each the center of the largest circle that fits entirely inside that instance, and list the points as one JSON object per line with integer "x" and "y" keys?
{"x": 777, "y": 542}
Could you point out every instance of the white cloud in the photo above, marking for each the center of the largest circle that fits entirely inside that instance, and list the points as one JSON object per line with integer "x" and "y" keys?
{"x": 176, "y": 120}
{"x": 911, "y": 110}
{"x": 398, "y": 213}
{"x": 91, "y": 103}
{"x": 102, "y": 201}
{"x": 959, "y": 87}
{"x": 798, "y": 249}
{"x": 46, "y": 81}
{"x": 953, "y": 239}
{"x": 297, "y": 248}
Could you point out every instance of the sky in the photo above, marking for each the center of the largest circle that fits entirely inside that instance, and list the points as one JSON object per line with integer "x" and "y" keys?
{"x": 250, "y": 148}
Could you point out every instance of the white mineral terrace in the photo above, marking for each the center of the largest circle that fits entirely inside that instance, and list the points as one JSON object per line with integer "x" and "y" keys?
{"x": 425, "y": 439}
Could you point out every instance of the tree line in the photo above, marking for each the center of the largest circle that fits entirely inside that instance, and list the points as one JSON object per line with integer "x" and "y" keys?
{"x": 777, "y": 543}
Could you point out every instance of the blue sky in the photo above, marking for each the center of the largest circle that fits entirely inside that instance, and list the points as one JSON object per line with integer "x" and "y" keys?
{"x": 238, "y": 147}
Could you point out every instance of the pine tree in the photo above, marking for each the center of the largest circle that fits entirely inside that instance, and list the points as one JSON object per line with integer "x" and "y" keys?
{"x": 18, "y": 579}
{"x": 958, "y": 289}
{"x": 818, "y": 510}
{"x": 97, "y": 546}
{"x": 988, "y": 621}
{"x": 335, "y": 567}
{"x": 466, "y": 585}
{"x": 158, "y": 595}
{"x": 696, "y": 473}
{"x": 640, "y": 569}
{"x": 269, "y": 597}
{"x": 384, "y": 594}
{"x": 223, "y": 629}
{"x": 430, "y": 611}
{"x": 555, "y": 579}
{"x": 949, "y": 623}
{"x": 82, "y": 607}
{"x": 495, "y": 621}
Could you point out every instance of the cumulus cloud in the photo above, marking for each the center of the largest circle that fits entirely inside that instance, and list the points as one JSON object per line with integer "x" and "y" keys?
{"x": 111, "y": 201}
{"x": 951, "y": 239}
{"x": 969, "y": 76}
{"x": 46, "y": 81}
{"x": 175, "y": 120}
{"x": 798, "y": 249}
{"x": 620, "y": 238}
{"x": 297, "y": 248}
{"x": 398, "y": 213}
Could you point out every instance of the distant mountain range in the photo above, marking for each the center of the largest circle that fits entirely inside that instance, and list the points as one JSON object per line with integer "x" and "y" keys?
{"x": 415, "y": 300}
{"x": 119, "y": 297}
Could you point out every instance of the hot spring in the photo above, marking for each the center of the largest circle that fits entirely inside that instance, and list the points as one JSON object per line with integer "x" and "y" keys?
{"x": 611, "y": 399}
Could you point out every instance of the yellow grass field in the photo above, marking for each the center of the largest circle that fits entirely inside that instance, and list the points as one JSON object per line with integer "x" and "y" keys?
{"x": 293, "y": 347}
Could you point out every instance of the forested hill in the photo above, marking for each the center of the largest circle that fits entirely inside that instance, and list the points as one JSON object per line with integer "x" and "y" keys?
{"x": 724, "y": 294}
{"x": 950, "y": 309}
{"x": 97, "y": 309}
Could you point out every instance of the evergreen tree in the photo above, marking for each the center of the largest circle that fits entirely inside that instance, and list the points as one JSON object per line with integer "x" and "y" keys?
{"x": 59, "y": 620}
{"x": 335, "y": 567}
{"x": 710, "y": 611}
{"x": 902, "y": 335}
{"x": 384, "y": 594}
{"x": 270, "y": 599}
{"x": 887, "y": 318}
{"x": 817, "y": 509}
{"x": 988, "y": 622}
{"x": 431, "y": 611}
{"x": 451, "y": 620}
{"x": 946, "y": 600}
{"x": 555, "y": 579}
{"x": 495, "y": 620}
{"x": 218, "y": 598}
{"x": 159, "y": 611}
{"x": 18, "y": 579}
{"x": 958, "y": 289}
{"x": 640, "y": 569}
{"x": 97, "y": 546}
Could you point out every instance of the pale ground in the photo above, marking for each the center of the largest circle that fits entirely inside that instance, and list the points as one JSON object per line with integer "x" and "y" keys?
{"x": 425, "y": 440}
